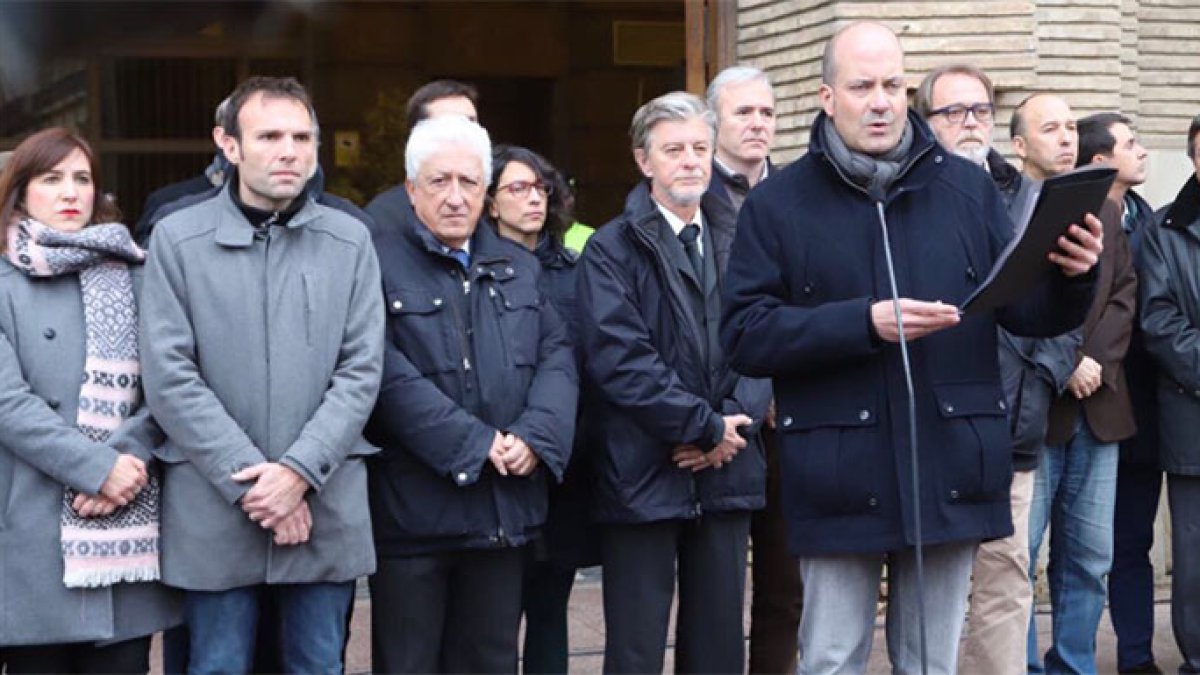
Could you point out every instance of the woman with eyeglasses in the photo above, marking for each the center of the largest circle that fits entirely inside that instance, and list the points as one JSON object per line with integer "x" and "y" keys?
{"x": 530, "y": 203}
{"x": 78, "y": 498}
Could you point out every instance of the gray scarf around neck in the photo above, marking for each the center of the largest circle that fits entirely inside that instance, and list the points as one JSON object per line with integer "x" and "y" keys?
{"x": 875, "y": 174}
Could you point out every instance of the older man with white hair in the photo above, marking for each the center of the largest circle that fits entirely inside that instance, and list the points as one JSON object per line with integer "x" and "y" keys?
{"x": 475, "y": 415}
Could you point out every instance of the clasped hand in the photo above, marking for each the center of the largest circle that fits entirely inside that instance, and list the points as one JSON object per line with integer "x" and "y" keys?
{"x": 511, "y": 455}
{"x": 276, "y": 501}
{"x": 690, "y": 457}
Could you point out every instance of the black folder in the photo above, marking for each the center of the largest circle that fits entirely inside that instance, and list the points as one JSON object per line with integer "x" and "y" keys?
{"x": 1047, "y": 212}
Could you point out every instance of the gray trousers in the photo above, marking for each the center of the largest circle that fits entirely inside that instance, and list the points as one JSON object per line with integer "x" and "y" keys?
{"x": 840, "y": 596}
{"x": 1183, "y": 494}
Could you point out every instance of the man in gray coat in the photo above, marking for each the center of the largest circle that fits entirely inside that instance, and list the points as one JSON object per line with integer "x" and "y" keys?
{"x": 264, "y": 328}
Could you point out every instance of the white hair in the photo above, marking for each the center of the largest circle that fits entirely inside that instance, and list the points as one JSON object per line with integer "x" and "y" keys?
{"x": 734, "y": 75}
{"x": 432, "y": 135}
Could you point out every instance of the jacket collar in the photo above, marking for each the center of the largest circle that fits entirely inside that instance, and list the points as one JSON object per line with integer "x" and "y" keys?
{"x": 1144, "y": 212}
{"x": 553, "y": 254}
{"x": 924, "y": 143}
{"x": 1185, "y": 210}
{"x": 486, "y": 245}
{"x": 1004, "y": 175}
{"x": 641, "y": 210}
{"x": 235, "y": 231}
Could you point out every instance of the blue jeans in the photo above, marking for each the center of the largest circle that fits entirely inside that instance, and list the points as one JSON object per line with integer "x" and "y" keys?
{"x": 312, "y": 629}
{"x": 837, "y": 625}
{"x": 1074, "y": 492}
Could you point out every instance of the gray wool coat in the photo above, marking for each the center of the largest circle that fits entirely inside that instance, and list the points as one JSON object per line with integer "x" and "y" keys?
{"x": 42, "y": 350}
{"x": 258, "y": 348}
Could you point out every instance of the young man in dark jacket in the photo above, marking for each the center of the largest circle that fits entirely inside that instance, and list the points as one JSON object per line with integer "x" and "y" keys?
{"x": 1170, "y": 304}
{"x": 1075, "y": 484}
{"x": 1109, "y": 138}
{"x": 475, "y": 415}
{"x": 803, "y": 305}
{"x": 679, "y": 465}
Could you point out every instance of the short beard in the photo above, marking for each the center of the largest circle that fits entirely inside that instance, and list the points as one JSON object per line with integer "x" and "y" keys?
{"x": 976, "y": 155}
{"x": 686, "y": 197}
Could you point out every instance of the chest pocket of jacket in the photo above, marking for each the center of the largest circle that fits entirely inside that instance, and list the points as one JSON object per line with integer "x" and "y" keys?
{"x": 419, "y": 326}
{"x": 976, "y": 445}
{"x": 518, "y": 313}
{"x": 832, "y": 448}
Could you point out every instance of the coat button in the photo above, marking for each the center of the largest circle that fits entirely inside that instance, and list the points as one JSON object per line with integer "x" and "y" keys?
{"x": 1002, "y": 404}
{"x": 808, "y": 289}
{"x": 397, "y": 305}
{"x": 954, "y": 494}
{"x": 872, "y": 502}
{"x": 937, "y": 160}
{"x": 949, "y": 408}
{"x": 325, "y": 468}
{"x": 53, "y": 403}
{"x": 864, "y": 415}
{"x": 49, "y": 333}
{"x": 1196, "y": 393}
{"x": 787, "y": 421}
{"x": 462, "y": 477}
{"x": 437, "y": 302}
{"x": 508, "y": 270}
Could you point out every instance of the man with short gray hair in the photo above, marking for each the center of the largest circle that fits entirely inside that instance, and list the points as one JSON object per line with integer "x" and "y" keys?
{"x": 475, "y": 416}
{"x": 744, "y": 101}
{"x": 675, "y": 430}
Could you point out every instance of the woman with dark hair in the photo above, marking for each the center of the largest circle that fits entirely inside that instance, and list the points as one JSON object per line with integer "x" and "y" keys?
{"x": 78, "y": 499}
{"x": 530, "y": 203}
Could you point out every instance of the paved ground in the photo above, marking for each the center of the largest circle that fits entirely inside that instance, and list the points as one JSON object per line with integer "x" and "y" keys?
{"x": 587, "y": 635}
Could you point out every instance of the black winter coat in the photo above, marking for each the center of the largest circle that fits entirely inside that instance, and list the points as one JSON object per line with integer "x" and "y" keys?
{"x": 466, "y": 355}
{"x": 390, "y": 209}
{"x": 1169, "y": 276}
{"x": 570, "y": 537}
{"x": 1141, "y": 374}
{"x": 648, "y": 390}
{"x": 807, "y": 265}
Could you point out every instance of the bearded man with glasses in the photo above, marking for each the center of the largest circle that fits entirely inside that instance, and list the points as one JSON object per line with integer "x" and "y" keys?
{"x": 958, "y": 102}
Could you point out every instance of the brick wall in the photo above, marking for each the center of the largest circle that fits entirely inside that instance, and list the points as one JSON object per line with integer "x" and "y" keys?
{"x": 1135, "y": 56}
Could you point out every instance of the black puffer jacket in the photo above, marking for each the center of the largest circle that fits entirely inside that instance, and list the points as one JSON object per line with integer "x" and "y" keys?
{"x": 466, "y": 355}
{"x": 1034, "y": 371}
{"x": 650, "y": 391}
{"x": 570, "y": 537}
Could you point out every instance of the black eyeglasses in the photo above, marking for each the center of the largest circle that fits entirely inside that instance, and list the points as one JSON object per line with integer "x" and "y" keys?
{"x": 520, "y": 188}
{"x": 957, "y": 113}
